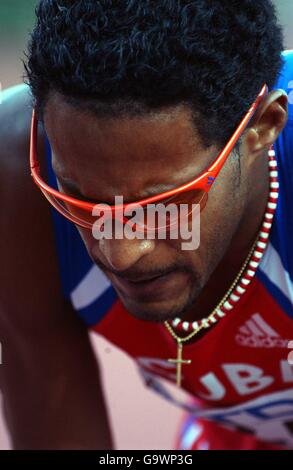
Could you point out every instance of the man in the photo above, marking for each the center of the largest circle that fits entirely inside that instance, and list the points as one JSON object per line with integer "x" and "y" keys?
{"x": 138, "y": 98}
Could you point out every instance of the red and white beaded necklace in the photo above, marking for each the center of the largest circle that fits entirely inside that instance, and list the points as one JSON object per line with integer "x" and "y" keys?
{"x": 247, "y": 271}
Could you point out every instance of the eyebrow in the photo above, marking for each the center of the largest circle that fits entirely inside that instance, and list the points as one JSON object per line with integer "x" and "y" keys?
{"x": 151, "y": 191}
{"x": 73, "y": 188}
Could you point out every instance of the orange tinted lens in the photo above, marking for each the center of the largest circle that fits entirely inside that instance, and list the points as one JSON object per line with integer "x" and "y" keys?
{"x": 75, "y": 214}
{"x": 153, "y": 217}
{"x": 166, "y": 213}
{"x": 191, "y": 198}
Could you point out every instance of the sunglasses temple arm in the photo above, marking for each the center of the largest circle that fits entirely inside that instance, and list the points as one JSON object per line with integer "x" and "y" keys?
{"x": 218, "y": 164}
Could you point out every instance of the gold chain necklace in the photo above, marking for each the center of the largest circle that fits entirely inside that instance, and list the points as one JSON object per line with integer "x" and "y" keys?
{"x": 179, "y": 361}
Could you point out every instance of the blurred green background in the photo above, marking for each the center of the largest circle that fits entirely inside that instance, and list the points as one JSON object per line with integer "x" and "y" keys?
{"x": 17, "y": 19}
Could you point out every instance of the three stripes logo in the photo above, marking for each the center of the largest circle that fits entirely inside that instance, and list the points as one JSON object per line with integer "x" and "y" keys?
{"x": 257, "y": 333}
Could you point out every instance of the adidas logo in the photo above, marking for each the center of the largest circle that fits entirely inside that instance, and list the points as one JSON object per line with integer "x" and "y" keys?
{"x": 257, "y": 333}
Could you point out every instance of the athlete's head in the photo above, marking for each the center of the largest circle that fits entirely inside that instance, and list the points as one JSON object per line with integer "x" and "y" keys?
{"x": 139, "y": 96}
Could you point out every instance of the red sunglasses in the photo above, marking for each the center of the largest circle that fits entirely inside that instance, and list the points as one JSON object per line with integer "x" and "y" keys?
{"x": 192, "y": 193}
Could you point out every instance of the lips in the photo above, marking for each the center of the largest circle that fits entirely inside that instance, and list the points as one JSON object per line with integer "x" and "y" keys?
{"x": 147, "y": 288}
{"x": 146, "y": 278}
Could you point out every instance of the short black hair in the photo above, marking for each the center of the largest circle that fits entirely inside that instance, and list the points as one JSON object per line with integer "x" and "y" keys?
{"x": 130, "y": 57}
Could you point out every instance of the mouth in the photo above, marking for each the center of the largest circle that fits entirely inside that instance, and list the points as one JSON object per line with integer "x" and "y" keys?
{"x": 146, "y": 288}
{"x": 141, "y": 279}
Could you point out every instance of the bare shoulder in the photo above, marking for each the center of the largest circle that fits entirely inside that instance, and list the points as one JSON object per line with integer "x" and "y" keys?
{"x": 15, "y": 111}
{"x": 27, "y": 248}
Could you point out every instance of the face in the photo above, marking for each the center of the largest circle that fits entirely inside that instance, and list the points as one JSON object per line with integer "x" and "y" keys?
{"x": 97, "y": 159}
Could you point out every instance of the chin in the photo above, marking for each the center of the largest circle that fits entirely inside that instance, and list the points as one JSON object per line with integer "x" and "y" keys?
{"x": 159, "y": 310}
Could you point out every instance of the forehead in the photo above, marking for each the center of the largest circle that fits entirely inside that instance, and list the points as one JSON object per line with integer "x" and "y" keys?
{"x": 130, "y": 156}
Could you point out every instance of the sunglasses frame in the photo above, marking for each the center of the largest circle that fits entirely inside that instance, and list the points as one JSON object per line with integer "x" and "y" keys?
{"x": 204, "y": 181}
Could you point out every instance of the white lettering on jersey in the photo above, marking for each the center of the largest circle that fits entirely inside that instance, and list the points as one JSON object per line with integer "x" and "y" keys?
{"x": 287, "y": 371}
{"x": 247, "y": 379}
{"x": 269, "y": 417}
{"x": 216, "y": 389}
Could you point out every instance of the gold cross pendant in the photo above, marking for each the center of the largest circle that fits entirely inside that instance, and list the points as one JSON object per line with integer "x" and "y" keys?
{"x": 179, "y": 361}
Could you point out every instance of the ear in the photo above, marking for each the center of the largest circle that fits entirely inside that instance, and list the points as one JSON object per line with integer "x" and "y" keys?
{"x": 269, "y": 120}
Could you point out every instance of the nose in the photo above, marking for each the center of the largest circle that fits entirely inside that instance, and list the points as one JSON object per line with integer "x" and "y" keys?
{"x": 122, "y": 254}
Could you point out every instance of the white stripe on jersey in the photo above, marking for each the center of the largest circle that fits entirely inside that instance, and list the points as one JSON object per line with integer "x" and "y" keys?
{"x": 92, "y": 286}
{"x": 271, "y": 265}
